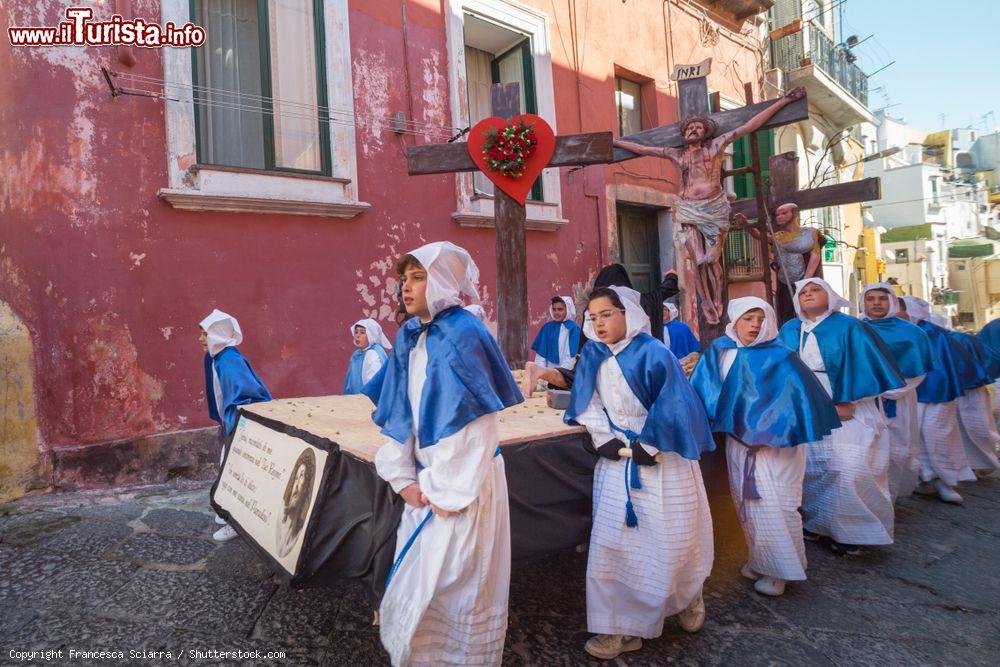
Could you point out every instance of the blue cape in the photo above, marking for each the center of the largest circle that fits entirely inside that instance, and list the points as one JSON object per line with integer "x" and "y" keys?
{"x": 547, "y": 341}
{"x": 858, "y": 363}
{"x": 989, "y": 336}
{"x": 768, "y": 398}
{"x": 353, "y": 383}
{"x": 238, "y": 383}
{"x": 467, "y": 377}
{"x": 942, "y": 384}
{"x": 676, "y": 421}
{"x": 682, "y": 340}
{"x": 910, "y": 346}
{"x": 972, "y": 363}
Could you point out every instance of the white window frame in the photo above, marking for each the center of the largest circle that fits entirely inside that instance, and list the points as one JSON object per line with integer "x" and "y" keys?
{"x": 476, "y": 210}
{"x": 206, "y": 188}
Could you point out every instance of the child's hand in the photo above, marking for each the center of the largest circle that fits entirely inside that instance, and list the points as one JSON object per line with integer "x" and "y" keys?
{"x": 437, "y": 510}
{"x": 845, "y": 411}
{"x": 413, "y": 496}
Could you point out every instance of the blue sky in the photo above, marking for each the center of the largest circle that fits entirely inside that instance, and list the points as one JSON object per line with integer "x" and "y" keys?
{"x": 947, "y": 58}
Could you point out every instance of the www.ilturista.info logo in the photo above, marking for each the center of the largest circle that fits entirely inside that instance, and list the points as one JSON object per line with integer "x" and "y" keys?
{"x": 80, "y": 30}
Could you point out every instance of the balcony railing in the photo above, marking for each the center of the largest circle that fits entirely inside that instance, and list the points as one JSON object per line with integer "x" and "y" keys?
{"x": 744, "y": 258}
{"x": 792, "y": 52}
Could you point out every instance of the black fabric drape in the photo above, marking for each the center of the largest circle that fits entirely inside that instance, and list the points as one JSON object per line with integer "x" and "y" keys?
{"x": 352, "y": 528}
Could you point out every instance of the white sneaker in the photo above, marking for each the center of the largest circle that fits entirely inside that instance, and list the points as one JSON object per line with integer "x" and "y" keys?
{"x": 219, "y": 520}
{"x": 748, "y": 573}
{"x": 946, "y": 493}
{"x": 770, "y": 586}
{"x": 225, "y": 534}
{"x": 609, "y": 647}
{"x": 692, "y": 619}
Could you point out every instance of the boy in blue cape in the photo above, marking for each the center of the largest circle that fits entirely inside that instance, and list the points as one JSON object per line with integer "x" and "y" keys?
{"x": 369, "y": 357}
{"x": 845, "y": 495}
{"x": 979, "y": 433}
{"x": 942, "y": 458}
{"x": 230, "y": 382}
{"x": 437, "y": 401}
{"x": 651, "y": 543}
{"x": 767, "y": 402}
{"x": 558, "y": 340}
{"x": 677, "y": 335}
{"x": 911, "y": 350}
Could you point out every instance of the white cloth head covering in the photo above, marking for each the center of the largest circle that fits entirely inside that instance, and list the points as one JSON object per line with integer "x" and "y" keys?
{"x": 893, "y": 299}
{"x": 739, "y": 307}
{"x": 477, "y": 310}
{"x": 636, "y": 319}
{"x": 450, "y": 274}
{"x": 374, "y": 330}
{"x": 917, "y": 309}
{"x": 223, "y": 331}
{"x": 941, "y": 321}
{"x": 672, "y": 309}
{"x": 570, "y": 309}
{"x": 836, "y": 301}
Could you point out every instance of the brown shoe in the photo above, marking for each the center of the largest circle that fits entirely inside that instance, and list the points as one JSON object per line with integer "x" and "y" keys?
{"x": 609, "y": 647}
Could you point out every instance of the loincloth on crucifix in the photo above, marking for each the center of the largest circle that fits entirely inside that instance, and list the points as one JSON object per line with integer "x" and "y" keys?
{"x": 702, "y": 227}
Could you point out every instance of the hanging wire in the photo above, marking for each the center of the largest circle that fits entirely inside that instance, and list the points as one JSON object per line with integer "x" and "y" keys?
{"x": 263, "y": 99}
{"x": 250, "y": 103}
{"x": 277, "y": 110}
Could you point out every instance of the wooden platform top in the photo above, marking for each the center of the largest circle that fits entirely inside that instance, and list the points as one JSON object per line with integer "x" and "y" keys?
{"x": 346, "y": 420}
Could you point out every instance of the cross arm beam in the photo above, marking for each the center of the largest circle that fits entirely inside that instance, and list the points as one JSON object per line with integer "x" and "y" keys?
{"x": 670, "y": 135}
{"x": 570, "y": 150}
{"x": 867, "y": 189}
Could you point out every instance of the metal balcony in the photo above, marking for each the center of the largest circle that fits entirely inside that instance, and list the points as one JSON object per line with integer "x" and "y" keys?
{"x": 836, "y": 86}
{"x": 740, "y": 9}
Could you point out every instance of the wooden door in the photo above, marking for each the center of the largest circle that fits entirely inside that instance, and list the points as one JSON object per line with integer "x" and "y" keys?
{"x": 639, "y": 241}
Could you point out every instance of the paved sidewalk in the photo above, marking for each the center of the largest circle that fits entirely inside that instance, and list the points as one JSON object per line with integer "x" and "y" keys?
{"x": 139, "y": 572}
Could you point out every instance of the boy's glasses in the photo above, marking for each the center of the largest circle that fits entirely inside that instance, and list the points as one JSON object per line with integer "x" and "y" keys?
{"x": 603, "y": 315}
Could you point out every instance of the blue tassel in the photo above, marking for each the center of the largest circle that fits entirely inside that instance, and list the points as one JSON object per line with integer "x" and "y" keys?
{"x": 636, "y": 482}
{"x": 631, "y": 520}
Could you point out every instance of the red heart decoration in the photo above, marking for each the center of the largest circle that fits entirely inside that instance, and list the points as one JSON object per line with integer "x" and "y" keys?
{"x": 517, "y": 188}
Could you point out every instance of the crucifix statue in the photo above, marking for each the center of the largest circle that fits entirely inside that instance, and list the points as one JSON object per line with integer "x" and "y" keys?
{"x": 508, "y": 214}
{"x": 701, "y": 208}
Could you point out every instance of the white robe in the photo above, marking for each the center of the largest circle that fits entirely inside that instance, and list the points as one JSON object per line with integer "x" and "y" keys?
{"x": 979, "y": 433}
{"x": 845, "y": 495}
{"x": 447, "y": 602}
{"x": 370, "y": 366}
{"x": 772, "y": 524}
{"x": 941, "y": 455}
{"x": 904, "y": 440}
{"x": 636, "y": 577}
{"x": 995, "y": 402}
{"x": 565, "y": 358}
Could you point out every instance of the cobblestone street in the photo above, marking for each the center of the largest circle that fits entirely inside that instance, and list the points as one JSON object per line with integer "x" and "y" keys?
{"x": 139, "y": 572}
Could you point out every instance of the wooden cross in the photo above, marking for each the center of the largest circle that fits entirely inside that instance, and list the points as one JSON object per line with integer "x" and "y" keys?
{"x": 694, "y": 100}
{"x": 508, "y": 215}
{"x": 692, "y": 91}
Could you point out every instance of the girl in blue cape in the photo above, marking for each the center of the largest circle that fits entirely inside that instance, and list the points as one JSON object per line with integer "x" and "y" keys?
{"x": 230, "y": 382}
{"x": 767, "y": 402}
{"x": 369, "y": 357}
{"x": 677, "y": 335}
{"x": 979, "y": 433}
{"x": 437, "y": 401}
{"x": 911, "y": 350}
{"x": 845, "y": 495}
{"x": 942, "y": 458}
{"x": 651, "y": 543}
{"x": 558, "y": 341}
